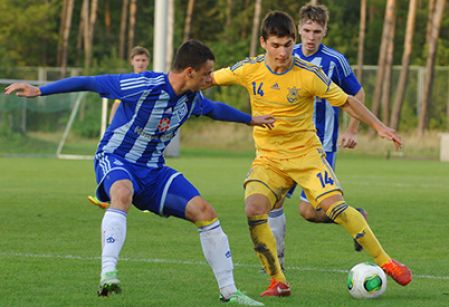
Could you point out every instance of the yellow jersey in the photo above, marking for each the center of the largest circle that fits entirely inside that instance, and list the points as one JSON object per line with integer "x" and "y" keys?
{"x": 289, "y": 97}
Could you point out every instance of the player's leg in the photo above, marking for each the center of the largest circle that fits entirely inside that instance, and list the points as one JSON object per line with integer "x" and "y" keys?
{"x": 278, "y": 224}
{"x": 356, "y": 225}
{"x": 306, "y": 210}
{"x": 115, "y": 185}
{"x": 184, "y": 201}
{"x": 263, "y": 188}
{"x": 324, "y": 191}
{"x": 310, "y": 214}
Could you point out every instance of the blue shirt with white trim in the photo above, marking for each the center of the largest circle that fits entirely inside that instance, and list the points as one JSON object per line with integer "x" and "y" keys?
{"x": 150, "y": 113}
{"x": 336, "y": 67}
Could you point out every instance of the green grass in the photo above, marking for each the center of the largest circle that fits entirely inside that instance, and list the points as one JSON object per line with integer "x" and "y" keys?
{"x": 50, "y": 247}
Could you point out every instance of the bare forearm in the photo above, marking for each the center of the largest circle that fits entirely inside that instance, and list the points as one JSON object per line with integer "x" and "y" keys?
{"x": 361, "y": 113}
{"x": 353, "y": 125}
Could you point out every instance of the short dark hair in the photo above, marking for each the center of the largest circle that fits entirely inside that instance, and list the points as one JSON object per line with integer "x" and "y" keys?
{"x": 279, "y": 24}
{"x": 317, "y": 13}
{"x": 191, "y": 53}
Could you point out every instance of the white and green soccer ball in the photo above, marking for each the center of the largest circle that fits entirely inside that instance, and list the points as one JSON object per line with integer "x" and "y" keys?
{"x": 366, "y": 280}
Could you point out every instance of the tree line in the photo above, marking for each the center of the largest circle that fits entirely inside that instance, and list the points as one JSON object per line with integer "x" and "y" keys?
{"x": 98, "y": 34}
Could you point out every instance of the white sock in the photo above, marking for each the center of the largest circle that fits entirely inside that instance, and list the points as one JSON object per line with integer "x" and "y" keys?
{"x": 113, "y": 234}
{"x": 277, "y": 222}
{"x": 218, "y": 254}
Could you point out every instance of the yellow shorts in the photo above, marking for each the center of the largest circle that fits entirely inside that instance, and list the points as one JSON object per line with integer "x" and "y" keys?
{"x": 273, "y": 177}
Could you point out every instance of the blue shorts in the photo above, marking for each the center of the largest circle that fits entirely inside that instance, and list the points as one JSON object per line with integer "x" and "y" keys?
{"x": 331, "y": 158}
{"x": 162, "y": 190}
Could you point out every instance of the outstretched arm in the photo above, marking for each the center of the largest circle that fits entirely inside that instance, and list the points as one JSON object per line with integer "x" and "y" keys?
{"x": 357, "y": 110}
{"x": 73, "y": 84}
{"x": 349, "y": 137}
{"x": 224, "y": 112}
{"x": 23, "y": 90}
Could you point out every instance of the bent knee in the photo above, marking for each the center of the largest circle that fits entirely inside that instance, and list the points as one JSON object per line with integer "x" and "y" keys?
{"x": 121, "y": 194}
{"x": 257, "y": 204}
{"x": 307, "y": 211}
{"x": 198, "y": 209}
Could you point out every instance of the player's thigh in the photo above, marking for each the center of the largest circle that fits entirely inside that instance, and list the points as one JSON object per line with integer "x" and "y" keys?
{"x": 264, "y": 180}
{"x": 167, "y": 193}
{"x": 109, "y": 170}
{"x": 317, "y": 178}
{"x": 331, "y": 159}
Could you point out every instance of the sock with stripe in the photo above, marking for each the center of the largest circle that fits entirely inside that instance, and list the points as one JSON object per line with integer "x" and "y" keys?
{"x": 113, "y": 234}
{"x": 277, "y": 223}
{"x": 265, "y": 246}
{"x": 217, "y": 252}
{"x": 355, "y": 224}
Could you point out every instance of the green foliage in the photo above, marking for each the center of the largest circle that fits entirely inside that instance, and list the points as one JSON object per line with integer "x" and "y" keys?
{"x": 30, "y": 28}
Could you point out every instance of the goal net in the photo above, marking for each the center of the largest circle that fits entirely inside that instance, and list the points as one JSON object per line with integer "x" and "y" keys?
{"x": 66, "y": 126}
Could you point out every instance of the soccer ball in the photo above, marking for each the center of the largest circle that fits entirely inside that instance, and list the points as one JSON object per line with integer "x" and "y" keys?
{"x": 366, "y": 280}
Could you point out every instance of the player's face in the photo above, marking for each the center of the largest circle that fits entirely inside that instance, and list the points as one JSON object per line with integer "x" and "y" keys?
{"x": 201, "y": 78}
{"x": 139, "y": 63}
{"x": 278, "y": 51}
{"x": 311, "y": 33}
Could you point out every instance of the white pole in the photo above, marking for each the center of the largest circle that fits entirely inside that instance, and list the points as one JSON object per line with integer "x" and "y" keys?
{"x": 160, "y": 35}
{"x": 160, "y": 50}
{"x": 104, "y": 116}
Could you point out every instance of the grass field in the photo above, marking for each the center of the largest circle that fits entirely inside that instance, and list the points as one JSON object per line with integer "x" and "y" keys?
{"x": 50, "y": 247}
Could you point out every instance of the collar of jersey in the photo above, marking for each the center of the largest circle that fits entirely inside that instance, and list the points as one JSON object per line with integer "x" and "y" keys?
{"x": 302, "y": 56}
{"x": 275, "y": 73}
{"x": 170, "y": 90}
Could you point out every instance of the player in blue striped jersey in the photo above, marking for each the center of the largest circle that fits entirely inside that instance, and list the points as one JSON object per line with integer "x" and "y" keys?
{"x": 129, "y": 162}
{"x": 312, "y": 29}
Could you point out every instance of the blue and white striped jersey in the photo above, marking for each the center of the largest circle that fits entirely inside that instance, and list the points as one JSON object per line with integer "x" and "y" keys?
{"x": 337, "y": 68}
{"x": 148, "y": 117}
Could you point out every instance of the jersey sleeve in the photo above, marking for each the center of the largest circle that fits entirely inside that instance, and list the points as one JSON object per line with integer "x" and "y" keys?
{"x": 323, "y": 87}
{"x": 109, "y": 86}
{"x": 218, "y": 110}
{"x": 346, "y": 77}
{"x": 230, "y": 75}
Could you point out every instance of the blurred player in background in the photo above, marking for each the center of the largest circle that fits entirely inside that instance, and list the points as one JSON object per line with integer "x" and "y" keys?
{"x": 139, "y": 59}
{"x": 285, "y": 86}
{"x": 312, "y": 28}
{"x": 129, "y": 162}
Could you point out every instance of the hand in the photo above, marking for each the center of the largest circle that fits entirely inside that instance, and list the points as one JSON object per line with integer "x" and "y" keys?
{"x": 22, "y": 90}
{"x": 390, "y": 134}
{"x": 348, "y": 139}
{"x": 263, "y": 121}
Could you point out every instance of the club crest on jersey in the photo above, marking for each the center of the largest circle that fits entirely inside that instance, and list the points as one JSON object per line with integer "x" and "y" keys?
{"x": 293, "y": 94}
{"x": 164, "y": 124}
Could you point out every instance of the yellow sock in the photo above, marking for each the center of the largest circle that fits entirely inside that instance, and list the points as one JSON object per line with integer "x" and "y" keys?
{"x": 265, "y": 246}
{"x": 355, "y": 224}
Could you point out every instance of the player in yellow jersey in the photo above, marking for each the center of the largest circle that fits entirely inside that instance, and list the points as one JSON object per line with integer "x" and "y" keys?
{"x": 285, "y": 87}
{"x": 139, "y": 59}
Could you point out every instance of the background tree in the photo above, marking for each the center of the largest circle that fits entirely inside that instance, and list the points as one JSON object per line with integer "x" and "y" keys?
{"x": 255, "y": 31}
{"x": 435, "y": 16}
{"x": 64, "y": 32}
{"x": 361, "y": 43}
{"x": 132, "y": 24}
{"x": 188, "y": 20}
{"x": 408, "y": 43}
{"x": 381, "y": 64}
{"x": 386, "y": 88}
{"x": 123, "y": 23}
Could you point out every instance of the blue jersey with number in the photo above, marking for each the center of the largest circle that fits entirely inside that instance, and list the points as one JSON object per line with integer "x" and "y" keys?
{"x": 336, "y": 67}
